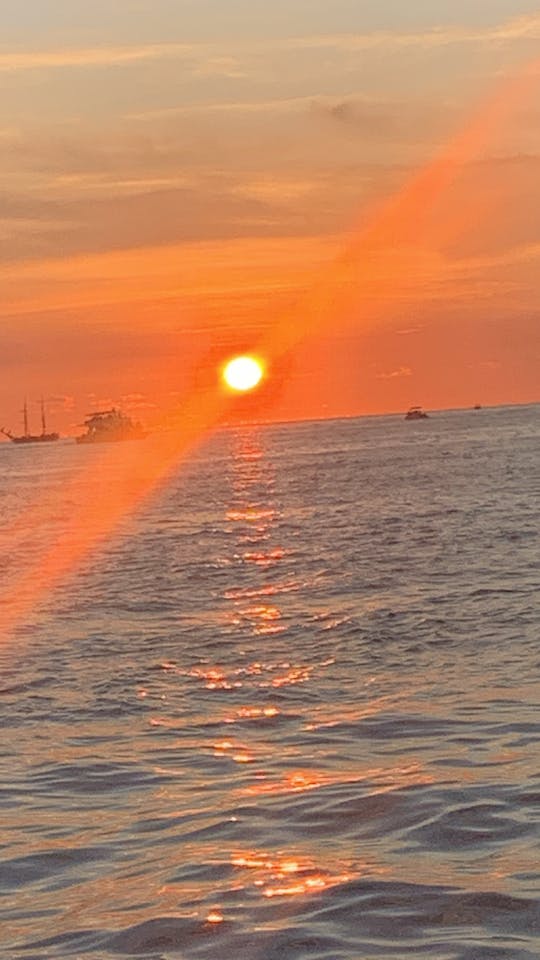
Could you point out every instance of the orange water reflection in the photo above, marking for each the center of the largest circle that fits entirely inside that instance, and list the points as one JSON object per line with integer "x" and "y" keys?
{"x": 250, "y": 713}
{"x": 352, "y": 713}
{"x": 262, "y": 676}
{"x": 290, "y": 875}
{"x": 254, "y": 517}
{"x": 215, "y": 916}
{"x": 380, "y": 779}
{"x": 259, "y": 675}
{"x": 263, "y": 618}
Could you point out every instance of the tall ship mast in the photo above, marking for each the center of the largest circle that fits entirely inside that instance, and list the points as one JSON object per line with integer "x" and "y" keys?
{"x": 28, "y": 437}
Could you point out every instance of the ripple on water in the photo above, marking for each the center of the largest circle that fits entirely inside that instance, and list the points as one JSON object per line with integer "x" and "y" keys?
{"x": 291, "y": 712}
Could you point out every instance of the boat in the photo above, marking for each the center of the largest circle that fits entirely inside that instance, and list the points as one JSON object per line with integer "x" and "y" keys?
{"x": 110, "y": 426}
{"x": 28, "y": 437}
{"x": 416, "y": 413}
{"x": 477, "y": 406}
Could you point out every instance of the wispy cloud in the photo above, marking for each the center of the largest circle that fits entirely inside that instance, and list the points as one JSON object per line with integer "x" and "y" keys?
{"x": 276, "y": 189}
{"x": 520, "y": 28}
{"x": 211, "y": 59}
{"x": 489, "y": 364}
{"x": 136, "y": 401}
{"x": 60, "y": 402}
{"x": 91, "y": 56}
{"x": 526, "y": 27}
{"x": 278, "y": 104}
{"x": 220, "y": 67}
{"x": 407, "y": 331}
{"x": 521, "y": 253}
{"x": 239, "y": 269}
{"x": 394, "y": 374}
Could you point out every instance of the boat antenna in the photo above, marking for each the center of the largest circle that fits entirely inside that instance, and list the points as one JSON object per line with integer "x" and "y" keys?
{"x": 43, "y": 425}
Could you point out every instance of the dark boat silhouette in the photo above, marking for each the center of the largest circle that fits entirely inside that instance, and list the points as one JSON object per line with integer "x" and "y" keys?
{"x": 110, "y": 426}
{"x": 28, "y": 437}
{"x": 416, "y": 413}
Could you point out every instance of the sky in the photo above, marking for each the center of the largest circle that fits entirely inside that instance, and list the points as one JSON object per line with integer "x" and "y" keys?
{"x": 182, "y": 179}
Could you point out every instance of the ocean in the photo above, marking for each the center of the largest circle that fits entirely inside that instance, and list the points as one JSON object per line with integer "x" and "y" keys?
{"x": 290, "y": 710}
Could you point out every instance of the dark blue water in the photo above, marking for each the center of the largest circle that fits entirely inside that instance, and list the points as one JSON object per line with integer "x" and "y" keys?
{"x": 291, "y": 710}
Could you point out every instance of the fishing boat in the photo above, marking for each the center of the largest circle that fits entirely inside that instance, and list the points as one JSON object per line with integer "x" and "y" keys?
{"x": 416, "y": 413}
{"x": 28, "y": 437}
{"x": 110, "y": 426}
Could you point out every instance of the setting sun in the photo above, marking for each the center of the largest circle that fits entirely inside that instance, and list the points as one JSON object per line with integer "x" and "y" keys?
{"x": 243, "y": 373}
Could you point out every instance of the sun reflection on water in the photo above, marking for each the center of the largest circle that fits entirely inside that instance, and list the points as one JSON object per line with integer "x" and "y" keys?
{"x": 215, "y": 916}
{"x": 251, "y": 713}
{"x": 242, "y": 736}
{"x": 255, "y": 518}
{"x": 383, "y": 779}
{"x": 287, "y": 875}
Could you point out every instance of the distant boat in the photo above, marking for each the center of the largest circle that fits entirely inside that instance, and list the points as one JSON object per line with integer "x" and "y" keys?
{"x": 110, "y": 426}
{"x": 28, "y": 437}
{"x": 477, "y": 406}
{"x": 416, "y": 413}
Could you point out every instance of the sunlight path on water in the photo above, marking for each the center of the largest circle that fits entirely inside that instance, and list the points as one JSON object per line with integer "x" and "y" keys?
{"x": 363, "y": 266}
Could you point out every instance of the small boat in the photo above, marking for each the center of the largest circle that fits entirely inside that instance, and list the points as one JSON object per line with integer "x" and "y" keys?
{"x": 416, "y": 413}
{"x": 110, "y": 426}
{"x": 477, "y": 406}
{"x": 28, "y": 437}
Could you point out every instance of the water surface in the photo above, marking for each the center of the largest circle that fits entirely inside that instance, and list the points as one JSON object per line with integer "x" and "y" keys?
{"x": 290, "y": 710}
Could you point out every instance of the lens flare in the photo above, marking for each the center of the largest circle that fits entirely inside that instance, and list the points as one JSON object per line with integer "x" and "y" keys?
{"x": 243, "y": 373}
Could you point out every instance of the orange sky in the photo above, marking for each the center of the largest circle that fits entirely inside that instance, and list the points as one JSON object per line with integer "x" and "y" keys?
{"x": 174, "y": 190}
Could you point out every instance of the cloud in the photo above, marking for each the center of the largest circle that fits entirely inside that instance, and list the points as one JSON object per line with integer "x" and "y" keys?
{"x": 526, "y": 27}
{"x": 210, "y": 272}
{"x": 520, "y": 28}
{"x": 136, "y": 401}
{"x": 394, "y": 374}
{"x": 59, "y": 402}
{"x": 220, "y": 67}
{"x": 211, "y": 60}
{"x": 387, "y": 120}
{"x": 91, "y": 56}
{"x": 114, "y": 208}
{"x": 276, "y": 190}
{"x": 262, "y": 107}
{"x": 407, "y": 331}
{"x": 372, "y": 117}
{"x": 202, "y": 60}
{"x": 99, "y": 402}
{"x": 525, "y": 253}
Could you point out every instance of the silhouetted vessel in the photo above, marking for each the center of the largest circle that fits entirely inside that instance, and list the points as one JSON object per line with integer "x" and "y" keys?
{"x": 28, "y": 437}
{"x": 110, "y": 426}
{"x": 416, "y": 413}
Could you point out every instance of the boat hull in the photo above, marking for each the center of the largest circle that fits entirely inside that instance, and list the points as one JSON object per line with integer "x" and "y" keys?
{"x": 40, "y": 438}
{"x": 416, "y": 413}
{"x": 110, "y": 439}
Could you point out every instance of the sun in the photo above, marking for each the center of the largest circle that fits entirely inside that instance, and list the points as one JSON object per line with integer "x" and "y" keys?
{"x": 243, "y": 373}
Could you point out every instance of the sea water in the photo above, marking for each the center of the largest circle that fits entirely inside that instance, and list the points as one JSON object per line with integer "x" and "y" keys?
{"x": 290, "y": 709}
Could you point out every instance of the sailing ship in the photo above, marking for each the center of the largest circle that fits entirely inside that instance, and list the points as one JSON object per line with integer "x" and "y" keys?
{"x": 28, "y": 437}
{"x": 110, "y": 426}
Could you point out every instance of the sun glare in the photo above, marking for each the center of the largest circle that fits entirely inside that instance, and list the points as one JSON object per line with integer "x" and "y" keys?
{"x": 243, "y": 373}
